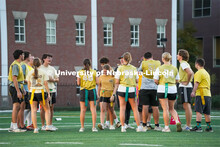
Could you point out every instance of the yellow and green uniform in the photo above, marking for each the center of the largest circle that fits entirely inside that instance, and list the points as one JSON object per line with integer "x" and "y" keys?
{"x": 148, "y": 67}
{"x": 20, "y": 75}
{"x": 169, "y": 76}
{"x": 203, "y": 78}
{"x": 107, "y": 85}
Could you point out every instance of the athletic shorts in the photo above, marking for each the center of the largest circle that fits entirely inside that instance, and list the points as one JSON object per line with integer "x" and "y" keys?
{"x": 53, "y": 98}
{"x": 185, "y": 94}
{"x": 27, "y": 101}
{"x": 148, "y": 97}
{"x": 206, "y": 109}
{"x": 105, "y": 99}
{"x": 90, "y": 95}
{"x": 139, "y": 108}
{"x": 130, "y": 95}
{"x": 13, "y": 94}
{"x": 170, "y": 96}
{"x": 38, "y": 97}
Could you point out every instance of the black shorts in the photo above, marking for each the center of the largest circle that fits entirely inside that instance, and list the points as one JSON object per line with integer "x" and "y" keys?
{"x": 91, "y": 96}
{"x": 53, "y": 97}
{"x": 139, "y": 108}
{"x": 170, "y": 96}
{"x": 130, "y": 95}
{"x": 13, "y": 94}
{"x": 206, "y": 109}
{"x": 38, "y": 97}
{"x": 27, "y": 101}
{"x": 105, "y": 99}
{"x": 185, "y": 94}
{"x": 148, "y": 97}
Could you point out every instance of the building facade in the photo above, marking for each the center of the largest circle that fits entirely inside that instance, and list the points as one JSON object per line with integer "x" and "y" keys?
{"x": 64, "y": 29}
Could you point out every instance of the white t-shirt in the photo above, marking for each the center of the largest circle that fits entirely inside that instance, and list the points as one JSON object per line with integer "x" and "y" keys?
{"x": 161, "y": 88}
{"x": 185, "y": 66}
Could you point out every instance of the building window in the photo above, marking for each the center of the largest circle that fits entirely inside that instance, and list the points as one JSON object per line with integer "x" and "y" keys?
{"x": 217, "y": 51}
{"x": 107, "y": 28}
{"x": 161, "y": 33}
{"x": 80, "y": 33}
{"x": 51, "y": 31}
{"x": 19, "y": 25}
{"x": 134, "y": 35}
{"x": 201, "y": 8}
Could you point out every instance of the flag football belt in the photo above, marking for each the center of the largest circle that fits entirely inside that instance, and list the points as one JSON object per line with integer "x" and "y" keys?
{"x": 202, "y": 94}
{"x": 166, "y": 90}
{"x": 126, "y": 93}
{"x": 87, "y": 95}
{"x": 32, "y": 96}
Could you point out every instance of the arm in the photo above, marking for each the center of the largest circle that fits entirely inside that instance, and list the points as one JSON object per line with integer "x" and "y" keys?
{"x": 99, "y": 89}
{"x": 29, "y": 86}
{"x": 156, "y": 81}
{"x": 78, "y": 81}
{"x": 53, "y": 79}
{"x": 196, "y": 84}
{"x": 15, "y": 81}
{"x": 47, "y": 89}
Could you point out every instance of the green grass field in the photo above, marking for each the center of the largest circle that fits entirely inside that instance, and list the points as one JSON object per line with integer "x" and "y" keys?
{"x": 68, "y": 134}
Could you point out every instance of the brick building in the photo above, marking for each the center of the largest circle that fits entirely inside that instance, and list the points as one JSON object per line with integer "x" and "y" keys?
{"x": 64, "y": 29}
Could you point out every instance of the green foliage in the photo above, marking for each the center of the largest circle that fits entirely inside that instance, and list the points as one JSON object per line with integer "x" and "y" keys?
{"x": 187, "y": 41}
{"x": 216, "y": 101}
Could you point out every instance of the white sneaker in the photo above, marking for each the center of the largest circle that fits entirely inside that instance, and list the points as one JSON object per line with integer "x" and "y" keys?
{"x": 111, "y": 127}
{"x": 158, "y": 128}
{"x": 36, "y": 130}
{"x": 94, "y": 130}
{"x": 101, "y": 126}
{"x": 126, "y": 126}
{"x": 123, "y": 129}
{"x": 10, "y": 130}
{"x": 54, "y": 127}
{"x": 50, "y": 128}
{"x": 186, "y": 128}
{"x": 43, "y": 128}
{"x": 141, "y": 129}
{"x": 166, "y": 130}
{"x": 145, "y": 128}
{"x": 106, "y": 126}
{"x": 18, "y": 130}
{"x": 81, "y": 129}
{"x": 118, "y": 125}
{"x": 129, "y": 127}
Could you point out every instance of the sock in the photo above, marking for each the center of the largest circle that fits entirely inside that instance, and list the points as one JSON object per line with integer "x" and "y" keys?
{"x": 148, "y": 123}
{"x": 15, "y": 126}
{"x": 156, "y": 125}
{"x": 166, "y": 127}
{"x": 107, "y": 122}
{"x": 144, "y": 124}
{"x": 116, "y": 120}
{"x": 29, "y": 120}
{"x": 208, "y": 124}
{"x": 198, "y": 124}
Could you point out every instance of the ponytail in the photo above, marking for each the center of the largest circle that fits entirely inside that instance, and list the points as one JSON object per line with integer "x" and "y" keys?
{"x": 36, "y": 64}
{"x": 35, "y": 72}
{"x": 87, "y": 64}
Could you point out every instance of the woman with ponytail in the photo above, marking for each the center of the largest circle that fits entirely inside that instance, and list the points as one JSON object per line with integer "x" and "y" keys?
{"x": 87, "y": 80}
{"x": 166, "y": 76}
{"x": 126, "y": 79}
{"x": 37, "y": 80}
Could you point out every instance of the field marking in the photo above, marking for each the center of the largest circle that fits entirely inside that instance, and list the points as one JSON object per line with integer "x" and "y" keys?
{"x": 5, "y": 142}
{"x": 130, "y": 144}
{"x": 63, "y": 142}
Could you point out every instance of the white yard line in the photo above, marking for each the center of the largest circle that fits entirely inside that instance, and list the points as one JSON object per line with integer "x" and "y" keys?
{"x": 131, "y": 144}
{"x": 5, "y": 142}
{"x": 63, "y": 142}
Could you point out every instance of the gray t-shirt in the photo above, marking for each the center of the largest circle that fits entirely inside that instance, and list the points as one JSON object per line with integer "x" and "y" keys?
{"x": 15, "y": 72}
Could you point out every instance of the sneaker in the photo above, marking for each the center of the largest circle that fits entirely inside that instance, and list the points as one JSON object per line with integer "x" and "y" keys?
{"x": 196, "y": 129}
{"x": 10, "y": 130}
{"x": 31, "y": 127}
{"x": 166, "y": 130}
{"x": 94, "y": 130}
{"x": 43, "y": 128}
{"x": 118, "y": 125}
{"x": 186, "y": 128}
{"x": 209, "y": 129}
{"x": 50, "y": 128}
{"x": 106, "y": 126}
{"x": 145, "y": 128}
{"x": 24, "y": 128}
{"x": 18, "y": 130}
{"x": 54, "y": 127}
{"x": 141, "y": 129}
{"x": 36, "y": 130}
{"x": 101, "y": 126}
{"x": 178, "y": 127}
{"x": 123, "y": 129}
{"x": 129, "y": 127}
{"x": 150, "y": 127}
{"x": 111, "y": 127}
{"x": 158, "y": 128}
{"x": 81, "y": 129}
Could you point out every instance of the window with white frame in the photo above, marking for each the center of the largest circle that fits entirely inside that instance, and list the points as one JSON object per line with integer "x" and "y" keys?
{"x": 108, "y": 33}
{"x": 80, "y": 33}
{"x": 217, "y": 51}
{"x": 161, "y": 33}
{"x": 19, "y": 25}
{"x": 51, "y": 31}
{"x": 201, "y": 8}
{"x": 134, "y": 35}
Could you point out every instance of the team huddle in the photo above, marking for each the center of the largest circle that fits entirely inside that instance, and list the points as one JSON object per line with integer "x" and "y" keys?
{"x": 32, "y": 83}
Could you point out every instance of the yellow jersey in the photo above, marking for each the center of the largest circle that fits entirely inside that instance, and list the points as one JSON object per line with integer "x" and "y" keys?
{"x": 87, "y": 81}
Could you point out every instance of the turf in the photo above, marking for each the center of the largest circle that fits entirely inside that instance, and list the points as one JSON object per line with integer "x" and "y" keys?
{"x": 70, "y": 124}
